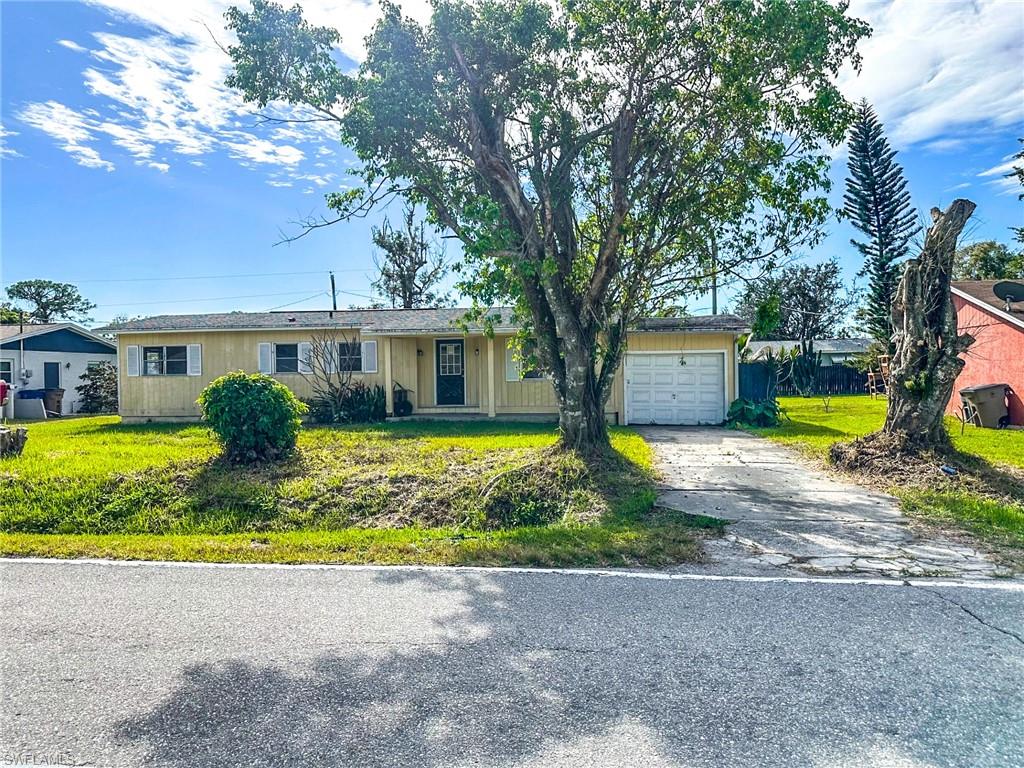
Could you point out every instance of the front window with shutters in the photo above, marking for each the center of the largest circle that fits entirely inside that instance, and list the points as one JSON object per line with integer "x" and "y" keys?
{"x": 350, "y": 356}
{"x": 165, "y": 361}
{"x": 286, "y": 358}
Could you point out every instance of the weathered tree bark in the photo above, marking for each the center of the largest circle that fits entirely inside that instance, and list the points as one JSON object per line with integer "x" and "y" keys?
{"x": 12, "y": 441}
{"x": 927, "y": 346}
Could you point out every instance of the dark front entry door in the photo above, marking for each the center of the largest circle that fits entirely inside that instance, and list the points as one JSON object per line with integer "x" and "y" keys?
{"x": 451, "y": 371}
{"x": 51, "y": 375}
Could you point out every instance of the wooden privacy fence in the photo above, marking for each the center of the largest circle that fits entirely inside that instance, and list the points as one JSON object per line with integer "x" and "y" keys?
{"x": 831, "y": 380}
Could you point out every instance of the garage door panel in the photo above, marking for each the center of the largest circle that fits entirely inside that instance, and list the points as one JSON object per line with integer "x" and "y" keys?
{"x": 670, "y": 388}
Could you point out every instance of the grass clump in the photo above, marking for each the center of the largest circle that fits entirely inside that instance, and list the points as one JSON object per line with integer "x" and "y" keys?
{"x": 481, "y": 493}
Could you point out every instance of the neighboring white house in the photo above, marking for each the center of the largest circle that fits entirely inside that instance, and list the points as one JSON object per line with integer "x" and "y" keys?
{"x": 48, "y": 356}
{"x": 833, "y": 351}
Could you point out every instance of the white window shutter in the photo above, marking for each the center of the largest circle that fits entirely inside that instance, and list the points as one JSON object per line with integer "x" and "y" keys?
{"x": 512, "y": 370}
{"x": 369, "y": 352}
{"x": 131, "y": 361}
{"x": 305, "y": 350}
{"x": 331, "y": 355}
{"x": 266, "y": 361}
{"x": 195, "y": 359}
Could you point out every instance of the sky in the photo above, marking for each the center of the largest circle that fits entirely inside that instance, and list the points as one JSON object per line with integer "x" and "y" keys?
{"x": 128, "y": 168}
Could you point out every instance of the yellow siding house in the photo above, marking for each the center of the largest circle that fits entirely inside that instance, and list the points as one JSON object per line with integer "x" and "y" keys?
{"x": 676, "y": 370}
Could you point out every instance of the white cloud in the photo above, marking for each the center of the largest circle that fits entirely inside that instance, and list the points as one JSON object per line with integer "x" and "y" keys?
{"x": 999, "y": 176}
{"x": 68, "y": 128}
{"x": 263, "y": 151}
{"x": 72, "y": 45}
{"x": 6, "y": 151}
{"x": 932, "y": 69}
{"x": 162, "y": 167}
{"x": 276, "y": 183}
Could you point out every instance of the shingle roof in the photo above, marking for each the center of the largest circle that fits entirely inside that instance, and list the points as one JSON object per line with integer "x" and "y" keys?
{"x": 825, "y": 346}
{"x": 7, "y": 331}
{"x": 384, "y": 321}
{"x": 981, "y": 292}
{"x": 694, "y": 323}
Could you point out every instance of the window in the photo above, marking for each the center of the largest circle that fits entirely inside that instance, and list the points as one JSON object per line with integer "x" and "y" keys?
{"x": 7, "y": 371}
{"x": 92, "y": 364}
{"x": 449, "y": 358}
{"x": 517, "y": 369}
{"x": 350, "y": 356}
{"x": 165, "y": 361}
{"x": 286, "y": 358}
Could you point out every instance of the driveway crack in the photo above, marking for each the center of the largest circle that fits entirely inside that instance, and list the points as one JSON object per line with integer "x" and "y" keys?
{"x": 1008, "y": 632}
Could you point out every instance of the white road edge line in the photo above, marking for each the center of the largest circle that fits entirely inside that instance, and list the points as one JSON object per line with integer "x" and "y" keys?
{"x": 1004, "y": 586}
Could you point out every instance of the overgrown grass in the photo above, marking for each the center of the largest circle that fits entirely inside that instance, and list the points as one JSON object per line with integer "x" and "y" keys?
{"x": 459, "y": 493}
{"x": 995, "y": 518}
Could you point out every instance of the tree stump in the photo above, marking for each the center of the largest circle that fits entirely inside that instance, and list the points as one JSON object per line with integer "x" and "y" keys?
{"x": 12, "y": 441}
{"x": 927, "y": 360}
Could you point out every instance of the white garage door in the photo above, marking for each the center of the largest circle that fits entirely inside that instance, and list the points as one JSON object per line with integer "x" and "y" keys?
{"x": 670, "y": 388}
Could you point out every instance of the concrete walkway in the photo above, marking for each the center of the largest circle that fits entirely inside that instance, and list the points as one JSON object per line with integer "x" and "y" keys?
{"x": 787, "y": 515}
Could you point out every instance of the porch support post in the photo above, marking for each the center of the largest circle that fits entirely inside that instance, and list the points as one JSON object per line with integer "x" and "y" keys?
{"x": 490, "y": 377}
{"x": 389, "y": 393}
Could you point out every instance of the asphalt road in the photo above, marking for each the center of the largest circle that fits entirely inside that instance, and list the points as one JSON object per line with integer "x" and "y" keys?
{"x": 199, "y": 666}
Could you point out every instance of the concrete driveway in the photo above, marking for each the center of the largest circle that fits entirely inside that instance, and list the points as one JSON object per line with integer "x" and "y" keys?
{"x": 789, "y": 515}
{"x": 233, "y": 667}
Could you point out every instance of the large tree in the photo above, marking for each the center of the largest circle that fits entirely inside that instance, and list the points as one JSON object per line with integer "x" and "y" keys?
{"x": 411, "y": 270}
{"x": 812, "y": 301}
{"x": 928, "y": 354}
{"x": 878, "y": 204}
{"x": 988, "y": 260}
{"x": 584, "y": 152}
{"x": 45, "y": 300}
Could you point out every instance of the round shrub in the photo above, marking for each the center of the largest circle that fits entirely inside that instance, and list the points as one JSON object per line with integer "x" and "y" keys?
{"x": 254, "y": 417}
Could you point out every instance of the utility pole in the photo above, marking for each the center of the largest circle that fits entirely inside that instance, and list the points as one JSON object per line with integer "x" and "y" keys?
{"x": 714, "y": 275}
{"x": 334, "y": 294}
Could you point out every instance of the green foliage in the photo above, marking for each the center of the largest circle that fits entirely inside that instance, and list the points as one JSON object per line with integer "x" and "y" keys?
{"x": 878, "y": 205}
{"x": 9, "y": 315}
{"x": 767, "y": 316}
{"x": 255, "y": 417}
{"x": 357, "y": 403}
{"x": 804, "y": 368}
{"x": 98, "y": 391}
{"x": 806, "y": 302}
{"x": 412, "y": 269}
{"x": 754, "y": 413}
{"x": 48, "y": 301}
{"x": 988, "y": 260}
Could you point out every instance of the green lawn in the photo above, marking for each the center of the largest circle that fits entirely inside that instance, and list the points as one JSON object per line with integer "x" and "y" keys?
{"x": 997, "y": 520}
{"x": 457, "y": 493}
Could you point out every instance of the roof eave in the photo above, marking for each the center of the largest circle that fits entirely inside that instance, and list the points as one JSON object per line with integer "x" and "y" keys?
{"x": 987, "y": 306}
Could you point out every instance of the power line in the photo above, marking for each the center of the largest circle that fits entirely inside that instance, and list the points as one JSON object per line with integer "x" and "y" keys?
{"x": 300, "y": 301}
{"x": 205, "y": 298}
{"x": 202, "y": 277}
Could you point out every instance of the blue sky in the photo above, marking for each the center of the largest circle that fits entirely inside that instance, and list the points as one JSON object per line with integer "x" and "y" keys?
{"x": 125, "y": 157}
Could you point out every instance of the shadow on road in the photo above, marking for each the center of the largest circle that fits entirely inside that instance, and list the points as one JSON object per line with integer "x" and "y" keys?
{"x": 505, "y": 676}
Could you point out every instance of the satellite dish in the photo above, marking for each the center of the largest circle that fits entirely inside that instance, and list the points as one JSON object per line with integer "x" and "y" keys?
{"x": 1009, "y": 291}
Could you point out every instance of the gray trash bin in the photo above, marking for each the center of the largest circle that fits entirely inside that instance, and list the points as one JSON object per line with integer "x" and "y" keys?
{"x": 989, "y": 400}
{"x": 53, "y": 400}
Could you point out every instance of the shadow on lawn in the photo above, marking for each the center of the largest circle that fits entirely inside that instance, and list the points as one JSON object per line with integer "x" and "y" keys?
{"x": 500, "y": 672}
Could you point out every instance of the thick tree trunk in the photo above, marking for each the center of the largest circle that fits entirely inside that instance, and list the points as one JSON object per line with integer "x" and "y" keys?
{"x": 927, "y": 357}
{"x": 927, "y": 350}
{"x": 12, "y": 441}
{"x": 581, "y": 418}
